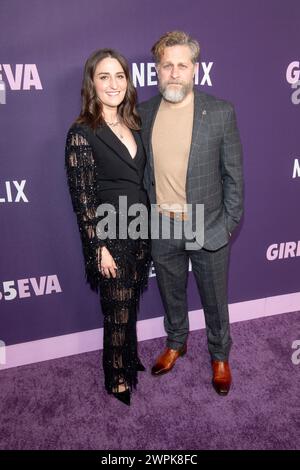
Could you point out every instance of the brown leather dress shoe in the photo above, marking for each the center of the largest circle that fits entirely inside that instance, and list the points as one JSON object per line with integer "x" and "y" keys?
{"x": 165, "y": 362}
{"x": 221, "y": 377}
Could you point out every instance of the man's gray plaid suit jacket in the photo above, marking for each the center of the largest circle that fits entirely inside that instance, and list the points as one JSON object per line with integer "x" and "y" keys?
{"x": 214, "y": 176}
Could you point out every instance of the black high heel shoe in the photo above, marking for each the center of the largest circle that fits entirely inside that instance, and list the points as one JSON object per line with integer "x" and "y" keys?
{"x": 124, "y": 396}
{"x": 140, "y": 367}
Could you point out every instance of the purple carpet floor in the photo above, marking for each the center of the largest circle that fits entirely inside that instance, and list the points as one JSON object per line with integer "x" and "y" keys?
{"x": 61, "y": 404}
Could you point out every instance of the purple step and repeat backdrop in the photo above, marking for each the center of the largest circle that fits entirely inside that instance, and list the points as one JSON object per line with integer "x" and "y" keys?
{"x": 250, "y": 53}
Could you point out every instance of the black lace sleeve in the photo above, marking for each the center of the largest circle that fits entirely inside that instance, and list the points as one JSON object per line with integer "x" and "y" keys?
{"x": 81, "y": 176}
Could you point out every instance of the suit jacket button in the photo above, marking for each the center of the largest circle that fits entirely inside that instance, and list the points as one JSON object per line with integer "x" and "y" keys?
{"x": 152, "y": 182}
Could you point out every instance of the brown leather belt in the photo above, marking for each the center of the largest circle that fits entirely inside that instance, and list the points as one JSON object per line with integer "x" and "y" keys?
{"x": 178, "y": 215}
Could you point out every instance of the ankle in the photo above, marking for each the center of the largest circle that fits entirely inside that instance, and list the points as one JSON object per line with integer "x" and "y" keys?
{"x": 120, "y": 388}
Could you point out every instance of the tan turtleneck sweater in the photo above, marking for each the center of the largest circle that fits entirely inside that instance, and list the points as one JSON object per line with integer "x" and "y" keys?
{"x": 171, "y": 142}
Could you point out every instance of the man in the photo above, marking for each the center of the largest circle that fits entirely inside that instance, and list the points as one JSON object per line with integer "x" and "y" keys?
{"x": 194, "y": 157}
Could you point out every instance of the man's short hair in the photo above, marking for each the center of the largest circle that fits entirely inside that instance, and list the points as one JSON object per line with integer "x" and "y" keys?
{"x": 175, "y": 38}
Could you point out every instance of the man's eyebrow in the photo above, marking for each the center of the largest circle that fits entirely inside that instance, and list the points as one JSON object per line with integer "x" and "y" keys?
{"x": 171, "y": 63}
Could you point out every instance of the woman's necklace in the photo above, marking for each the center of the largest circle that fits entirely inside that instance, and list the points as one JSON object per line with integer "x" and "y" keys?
{"x": 114, "y": 124}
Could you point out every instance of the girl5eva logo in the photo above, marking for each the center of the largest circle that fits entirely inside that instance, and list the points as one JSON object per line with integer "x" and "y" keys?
{"x": 293, "y": 78}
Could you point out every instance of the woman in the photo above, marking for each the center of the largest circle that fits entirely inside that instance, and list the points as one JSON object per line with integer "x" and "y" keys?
{"x": 104, "y": 160}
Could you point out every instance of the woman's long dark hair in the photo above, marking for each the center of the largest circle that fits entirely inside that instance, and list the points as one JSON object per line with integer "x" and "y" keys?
{"x": 91, "y": 106}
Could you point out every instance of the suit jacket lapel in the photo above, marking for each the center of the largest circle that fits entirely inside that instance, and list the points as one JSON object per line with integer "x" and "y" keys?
{"x": 200, "y": 128}
{"x": 112, "y": 141}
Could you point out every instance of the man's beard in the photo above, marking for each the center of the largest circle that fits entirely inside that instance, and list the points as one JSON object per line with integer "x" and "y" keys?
{"x": 175, "y": 94}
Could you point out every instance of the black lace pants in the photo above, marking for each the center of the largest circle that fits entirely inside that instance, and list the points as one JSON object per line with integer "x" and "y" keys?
{"x": 120, "y": 298}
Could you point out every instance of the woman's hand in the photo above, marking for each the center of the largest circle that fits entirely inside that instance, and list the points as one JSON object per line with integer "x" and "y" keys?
{"x": 108, "y": 266}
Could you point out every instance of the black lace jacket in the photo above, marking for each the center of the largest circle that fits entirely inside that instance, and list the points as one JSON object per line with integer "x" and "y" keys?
{"x": 100, "y": 169}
